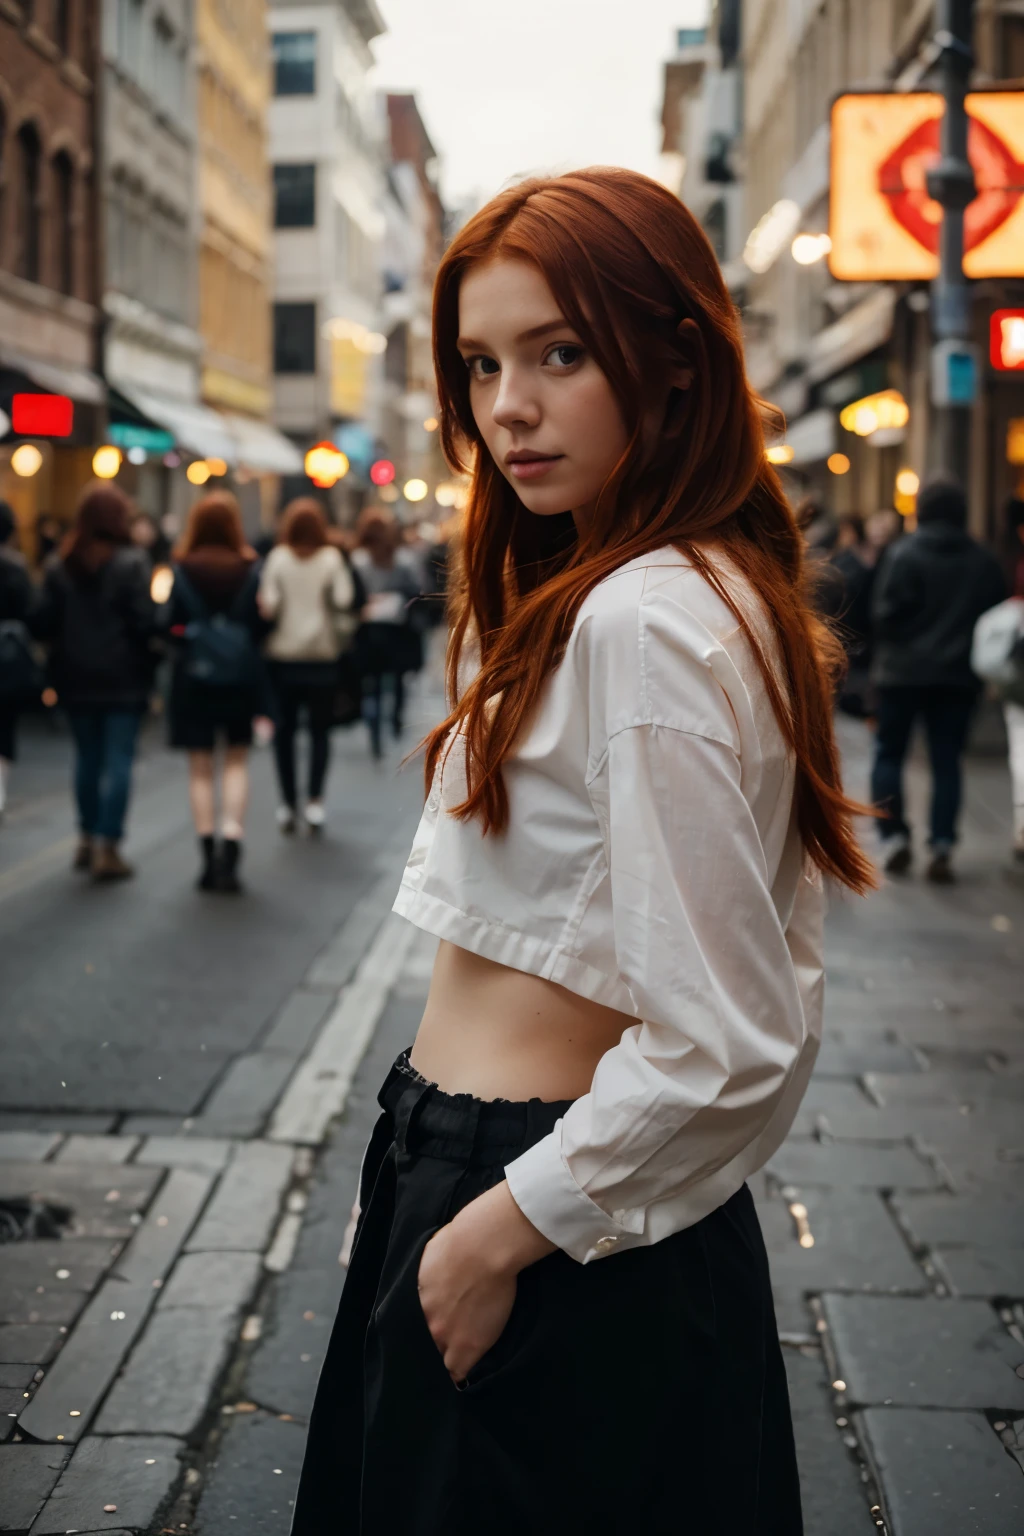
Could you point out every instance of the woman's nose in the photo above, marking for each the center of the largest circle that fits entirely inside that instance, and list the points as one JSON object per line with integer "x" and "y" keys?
{"x": 515, "y": 404}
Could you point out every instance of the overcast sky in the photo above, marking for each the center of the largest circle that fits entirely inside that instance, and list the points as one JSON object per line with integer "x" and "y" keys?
{"x": 512, "y": 86}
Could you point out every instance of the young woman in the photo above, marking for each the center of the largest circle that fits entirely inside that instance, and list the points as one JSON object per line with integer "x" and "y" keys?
{"x": 387, "y": 644}
{"x": 96, "y": 611}
{"x": 216, "y": 680}
{"x": 557, "y": 1316}
{"x": 307, "y": 593}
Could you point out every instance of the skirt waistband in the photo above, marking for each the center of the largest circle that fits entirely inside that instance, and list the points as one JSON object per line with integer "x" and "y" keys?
{"x": 458, "y": 1127}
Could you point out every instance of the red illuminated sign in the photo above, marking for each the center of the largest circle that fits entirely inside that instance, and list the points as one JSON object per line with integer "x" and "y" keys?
{"x": 1006, "y": 340}
{"x": 383, "y": 472}
{"x": 42, "y": 415}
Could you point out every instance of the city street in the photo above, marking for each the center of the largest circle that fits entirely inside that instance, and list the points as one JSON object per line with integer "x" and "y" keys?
{"x": 193, "y": 1080}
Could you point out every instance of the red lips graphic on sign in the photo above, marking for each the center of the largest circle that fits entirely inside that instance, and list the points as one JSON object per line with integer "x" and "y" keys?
{"x": 999, "y": 177}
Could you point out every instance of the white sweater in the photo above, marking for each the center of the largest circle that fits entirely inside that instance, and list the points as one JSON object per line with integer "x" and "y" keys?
{"x": 306, "y": 597}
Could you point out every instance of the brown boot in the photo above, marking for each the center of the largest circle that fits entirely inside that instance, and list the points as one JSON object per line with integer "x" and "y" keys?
{"x": 107, "y": 864}
{"x": 83, "y": 853}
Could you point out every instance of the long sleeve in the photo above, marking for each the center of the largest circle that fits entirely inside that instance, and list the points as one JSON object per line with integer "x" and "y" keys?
{"x": 270, "y": 586}
{"x": 724, "y": 987}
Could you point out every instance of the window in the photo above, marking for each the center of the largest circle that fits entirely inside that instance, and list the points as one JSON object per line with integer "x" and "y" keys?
{"x": 169, "y": 70}
{"x": 62, "y": 26}
{"x": 64, "y": 185}
{"x": 294, "y": 196}
{"x": 31, "y": 213}
{"x": 294, "y": 338}
{"x": 294, "y": 63}
{"x": 129, "y": 35}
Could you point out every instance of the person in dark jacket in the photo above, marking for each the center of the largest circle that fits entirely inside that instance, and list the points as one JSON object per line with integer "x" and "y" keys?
{"x": 15, "y": 602}
{"x": 97, "y": 614}
{"x": 216, "y": 577}
{"x": 931, "y": 589}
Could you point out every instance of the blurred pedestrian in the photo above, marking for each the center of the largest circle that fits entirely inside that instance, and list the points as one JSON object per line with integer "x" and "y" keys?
{"x": 148, "y": 536}
{"x": 387, "y": 645}
{"x": 97, "y": 614}
{"x": 49, "y": 533}
{"x": 881, "y": 529}
{"x": 931, "y": 588}
{"x": 854, "y": 579}
{"x": 997, "y": 655}
{"x": 19, "y": 677}
{"x": 218, "y": 684}
{"x": 630, "y": 806}
{"x": 307, "y": 593}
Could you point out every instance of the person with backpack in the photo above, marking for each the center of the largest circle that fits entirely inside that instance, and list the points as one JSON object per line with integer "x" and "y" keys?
{"x": 96, "y": 612}
{"x": 388, "y": 643}
{"x": 217, "y": 678}
{"x": 20, "y": 677}
{"x": 307, "y": 593}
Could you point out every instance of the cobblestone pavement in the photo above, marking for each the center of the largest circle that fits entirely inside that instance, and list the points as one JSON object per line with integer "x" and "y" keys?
{"x": 161, "y": 1354}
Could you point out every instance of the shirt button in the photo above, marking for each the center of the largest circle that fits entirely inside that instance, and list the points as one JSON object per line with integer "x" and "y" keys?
{"x": 605, "y": 1244}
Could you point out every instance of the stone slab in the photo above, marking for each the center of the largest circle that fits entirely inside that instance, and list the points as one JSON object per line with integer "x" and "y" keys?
{"x": 992, "y": 1272}
{"x": 925, "y": 1352}
{"x": 27, "y": 1146}
{"x": 211, "y": 1280}
{"x": 76, "y": 1264}
{"x": 990, "y": 1220}
{"x": 97, "y": 1149}
{"x": 851, "y": 1166}
{"x": 206, "y": 1154}
{"x": 976, "y": 1088}
{"x": 246, "y": 1094}
{"x": 295, "y": 1027}
{"x": 27, "y": 1476}
{"x": 34, "y": 1342}
{"x": 75, "y": 1385}
{"x": 166, "y": 1386}
{"x": 154, "y": 1125}
{"x": 89, "y": 1192}
{"x": 943, "y": 1474}
{"x": 243, "y": 1212}
{"x": 244, "y": 1493}
{"x": 135, "y": 1472}
{"x": 857, "y": 1246}
{"x": 836, "y": 1060}
{"x": 16, "y": 1378}
{"x": 940, "y": 1125}
{"x": 831, "y": 1491}
{"x": 46, "y": 1120}
{"x": 336, "y": 964}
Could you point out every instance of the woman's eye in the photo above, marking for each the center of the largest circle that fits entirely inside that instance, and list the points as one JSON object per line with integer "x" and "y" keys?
{"x": 481, "y": 367}
{"x": 565, "y": 355}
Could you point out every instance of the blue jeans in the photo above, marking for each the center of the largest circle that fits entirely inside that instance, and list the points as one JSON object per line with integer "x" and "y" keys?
{"x": 104, "y": 753}
{"x": 946, "y": 713}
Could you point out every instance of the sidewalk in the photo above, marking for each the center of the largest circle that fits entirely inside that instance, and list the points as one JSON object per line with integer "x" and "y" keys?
{"x": 161, "y": 1358}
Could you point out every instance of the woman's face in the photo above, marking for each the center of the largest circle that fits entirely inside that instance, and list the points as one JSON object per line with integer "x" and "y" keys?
{"x": 544, "y": 409}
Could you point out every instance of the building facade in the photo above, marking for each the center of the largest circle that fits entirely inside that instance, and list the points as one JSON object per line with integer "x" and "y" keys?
{"x": 328, "y": 148}
{"x": 48, "y": 289}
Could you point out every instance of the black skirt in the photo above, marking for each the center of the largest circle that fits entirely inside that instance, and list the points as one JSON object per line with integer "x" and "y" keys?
{"x": 642, "y": 1393}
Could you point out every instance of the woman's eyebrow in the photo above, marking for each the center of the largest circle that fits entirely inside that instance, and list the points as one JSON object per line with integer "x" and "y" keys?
{"x": 467, "y": 344}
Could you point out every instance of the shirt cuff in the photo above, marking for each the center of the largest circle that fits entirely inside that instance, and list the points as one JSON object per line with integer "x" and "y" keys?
{"x": 542, "y": 1185}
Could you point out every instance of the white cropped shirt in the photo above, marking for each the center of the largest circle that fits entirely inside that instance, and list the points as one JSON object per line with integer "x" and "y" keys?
{"x": 652, "y": 862}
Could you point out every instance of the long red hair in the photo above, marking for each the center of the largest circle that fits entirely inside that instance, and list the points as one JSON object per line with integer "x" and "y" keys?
{"x": 636, "y": 278}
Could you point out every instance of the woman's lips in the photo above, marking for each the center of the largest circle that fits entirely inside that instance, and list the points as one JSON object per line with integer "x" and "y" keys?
{"x": 533, "y": 469}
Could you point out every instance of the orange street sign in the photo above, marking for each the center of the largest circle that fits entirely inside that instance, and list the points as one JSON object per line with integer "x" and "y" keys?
{"x": 1006, "y": 340}
{"x": 883, "y": 224}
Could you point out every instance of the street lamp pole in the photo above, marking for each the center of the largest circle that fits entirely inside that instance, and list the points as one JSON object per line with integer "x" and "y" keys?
{"x": 951, "y": 183}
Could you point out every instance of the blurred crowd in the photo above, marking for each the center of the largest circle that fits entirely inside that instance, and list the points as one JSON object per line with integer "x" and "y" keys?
{"x": 314, "y": 629}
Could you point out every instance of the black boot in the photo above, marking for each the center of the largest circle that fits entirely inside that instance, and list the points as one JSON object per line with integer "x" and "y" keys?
{"x": 230, "y": 858}
{"x": 208, "y": 874}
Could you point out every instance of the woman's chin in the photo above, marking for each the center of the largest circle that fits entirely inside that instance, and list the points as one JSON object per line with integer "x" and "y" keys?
{"x": 545, "y": 501}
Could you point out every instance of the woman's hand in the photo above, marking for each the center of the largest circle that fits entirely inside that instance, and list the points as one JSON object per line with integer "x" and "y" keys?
{"x": 467, "y": 1278}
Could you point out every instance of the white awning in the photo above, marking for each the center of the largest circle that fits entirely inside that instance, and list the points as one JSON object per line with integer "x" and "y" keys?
{"x": 261, "y": 447}
{"x": 57, "y": 378}
{"x": 812, "y": 437}
{"x": 863, "y": 328}
{"x": 194, "y": 427}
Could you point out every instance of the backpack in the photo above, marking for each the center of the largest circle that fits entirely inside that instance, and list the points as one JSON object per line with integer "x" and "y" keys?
{"x": 997, "y": 651}
{"x": 21, "y": 677}
{"x": 219, "y": 651}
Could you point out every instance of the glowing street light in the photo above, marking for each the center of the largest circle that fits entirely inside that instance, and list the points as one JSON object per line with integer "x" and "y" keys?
{"x": 382, "y": 472}
{"x": 26, "y": 460}
{"x": 414, "y": 490}
{"x": 106, "y": 462}
{"x": 838, "y": 463}
{"x": 780, "y": 453}
{"x": 198, "y": 472}
{"x": 807, "y": 249}
{"x": 907, "y": 482}
{"x": 325, "y": 464}
{"x": 431, "y": 424}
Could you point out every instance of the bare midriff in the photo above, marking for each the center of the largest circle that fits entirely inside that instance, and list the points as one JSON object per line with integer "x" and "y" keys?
{"x": 498, "y": 1033}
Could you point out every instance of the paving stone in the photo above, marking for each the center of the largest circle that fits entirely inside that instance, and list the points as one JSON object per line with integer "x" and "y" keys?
{"x": 244, "y": 1210}
{"x": 97, "y": 1149}
{"x": 135, "y": 1472}
{"x": 993, "y": 1272}
{"x": 243, "y": 1493}
{"x": 200, "y": 1152}
{"x": 943, "y": 1474}
{"x": 246, "y": 1094}
{"x": 170, "y": 1376}
{"x": 857, "y": 1246}
{"x": 945, "y": 1087}
{"x": 925, "y": 1352}
{"x": 292, "y": 1032}
{"x": 50, "y": 1281}
{"x": 940, "y": 1125}
{"x": 27, "y": 1146}
{"x": 336, "y": 964}
{"x": 85, "y": 1367}
{"x": 44, "y": 1120}
{"x": 35, "y": 1342}
{"x": 825, "y": 1097}
{"x": 86, "y": 1191}
{"x": 835, "y": 1060}
{"x": 27, "y": 1474}
{"x": 153, "y": 1125}
{"x": 851, "y": 1165}
{"x": 16, "y": 1378}
{"x": 831, "y": 1491}
{"x": 985, "y": 1220}
{"x": 212, "y": 1280}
